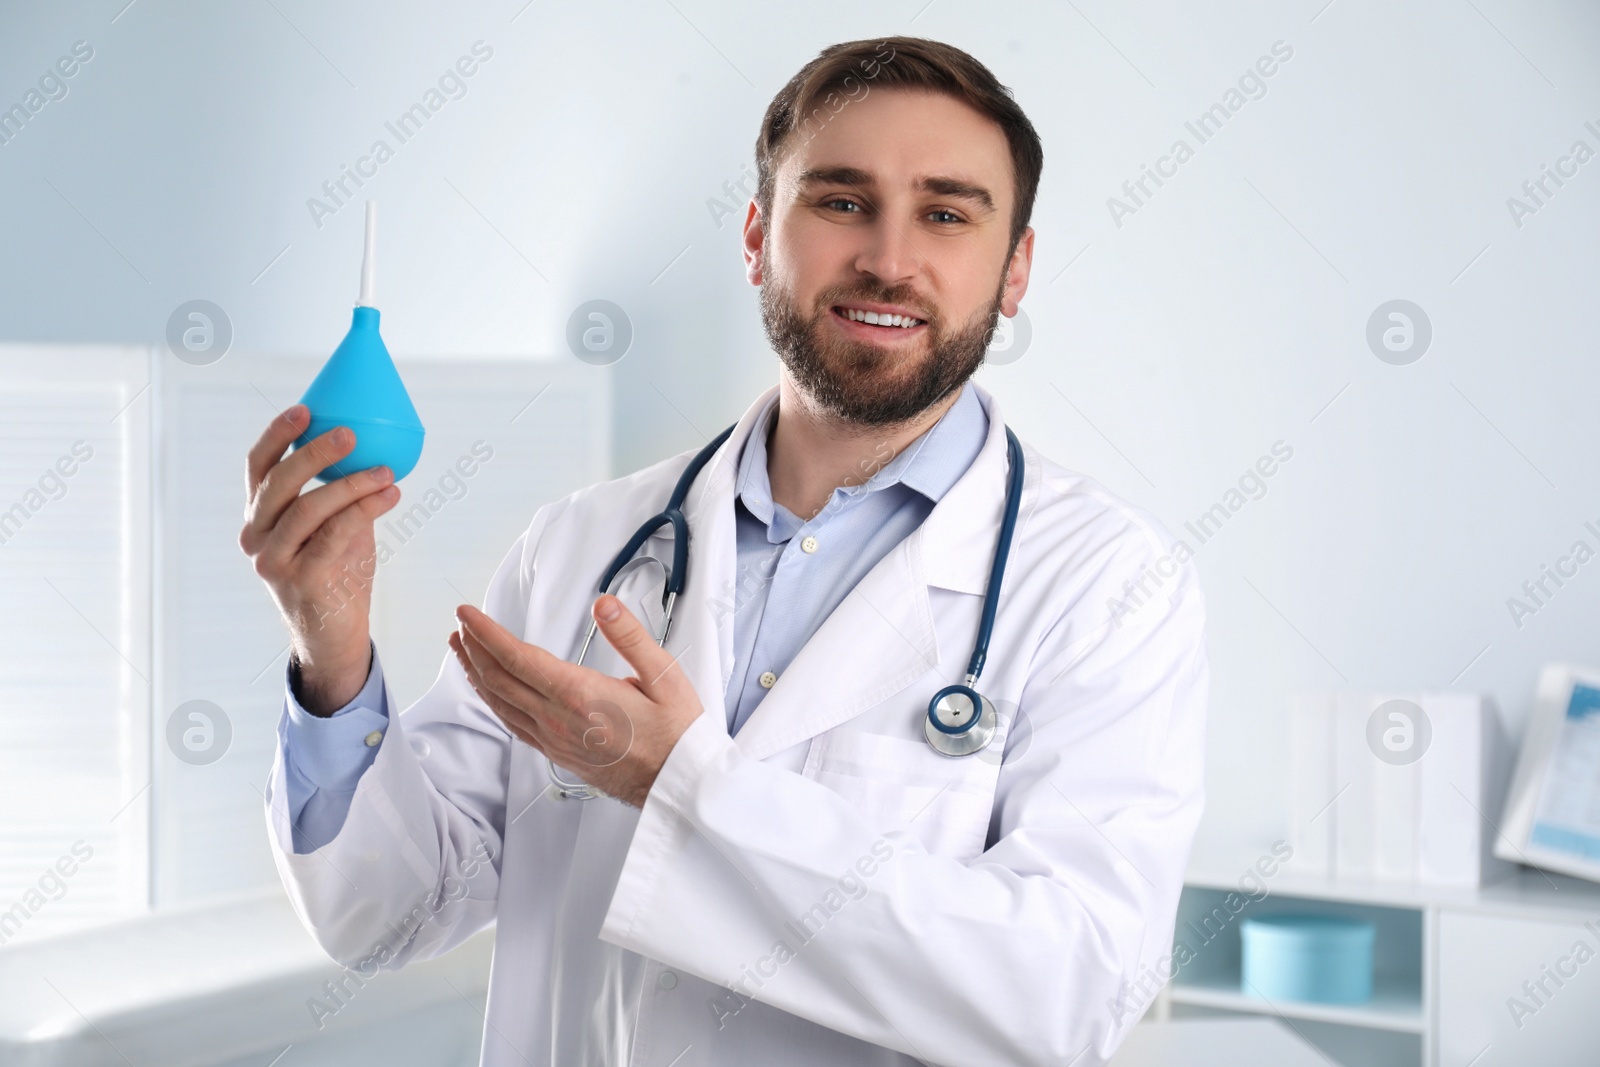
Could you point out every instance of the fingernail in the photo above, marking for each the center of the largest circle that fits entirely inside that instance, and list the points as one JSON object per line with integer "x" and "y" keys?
{"x": 607, "y": 608}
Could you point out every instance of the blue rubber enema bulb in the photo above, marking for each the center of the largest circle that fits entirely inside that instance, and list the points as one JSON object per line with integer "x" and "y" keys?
{"x": 359, "y": 387}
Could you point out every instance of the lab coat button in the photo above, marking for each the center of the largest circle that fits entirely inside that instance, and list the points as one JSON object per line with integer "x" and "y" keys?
{"x": 768, "y": 679}
{"x": 809, "y": 544}
{"x": 373, "y": 738}
{"x": 668, "y": 980}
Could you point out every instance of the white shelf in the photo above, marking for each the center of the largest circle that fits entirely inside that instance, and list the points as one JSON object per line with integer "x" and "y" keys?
{"x": 1472, "y": 945}
{"x": 1525, "y": 893}
{"x": 1395, "y": 1005}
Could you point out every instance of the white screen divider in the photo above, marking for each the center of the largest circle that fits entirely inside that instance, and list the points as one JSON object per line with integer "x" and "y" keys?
{"x": 75, "y": 671}
{"x": 529, "y": 430}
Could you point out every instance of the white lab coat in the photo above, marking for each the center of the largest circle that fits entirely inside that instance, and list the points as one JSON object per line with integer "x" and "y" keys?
{"x": 823, "y": 888}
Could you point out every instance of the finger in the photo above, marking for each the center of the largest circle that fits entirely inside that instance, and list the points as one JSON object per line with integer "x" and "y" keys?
{"x": 320, "y": 524}
{"x": 553, "y": 678}
{"x": 323, "y": 450}
{"x": 522, "y": 727}
{"x": 329, "y": 539}
{"x": 285, "y": 478}
{"x": 270, "y": 445}
{"x": 493, "y": 677}
{"x": 281, "y": 486}
{"x": 519, "y": 726}
{"x": 652, "y": 664}
{"x": 520, "y": 723}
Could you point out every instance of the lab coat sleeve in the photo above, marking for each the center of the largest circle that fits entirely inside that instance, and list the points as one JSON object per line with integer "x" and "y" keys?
{"x": 414, "y": 869}
{"x": 1029, "y": 953}
{"x": 325, "y": 756}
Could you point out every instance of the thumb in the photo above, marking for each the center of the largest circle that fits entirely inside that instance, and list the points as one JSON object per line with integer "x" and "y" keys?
{"x": 632, "y": 640}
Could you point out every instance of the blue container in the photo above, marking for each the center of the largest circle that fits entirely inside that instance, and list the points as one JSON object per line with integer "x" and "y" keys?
{"x": 359, "y": 387}
{"x": 1318, "y": 958}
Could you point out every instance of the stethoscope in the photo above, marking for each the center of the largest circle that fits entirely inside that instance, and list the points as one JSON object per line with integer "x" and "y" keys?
{"x": 960, "y": 720}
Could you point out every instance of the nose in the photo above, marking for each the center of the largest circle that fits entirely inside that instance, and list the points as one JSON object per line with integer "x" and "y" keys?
{"x": 888, "y": 253}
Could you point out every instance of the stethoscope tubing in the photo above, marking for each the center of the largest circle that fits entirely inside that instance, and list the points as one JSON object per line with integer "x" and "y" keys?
{"x": 1002, "y": 551}
{"x": 672, "y": 515}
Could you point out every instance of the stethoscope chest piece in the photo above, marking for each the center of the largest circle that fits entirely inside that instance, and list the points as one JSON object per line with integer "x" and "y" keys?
{"x": 960, "y": 721}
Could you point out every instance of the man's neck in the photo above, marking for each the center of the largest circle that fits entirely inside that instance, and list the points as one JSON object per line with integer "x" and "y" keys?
{"x": 810, "y": 453}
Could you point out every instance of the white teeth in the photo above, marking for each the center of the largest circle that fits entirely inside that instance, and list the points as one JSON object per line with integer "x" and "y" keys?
{"x": 873, "y": 318}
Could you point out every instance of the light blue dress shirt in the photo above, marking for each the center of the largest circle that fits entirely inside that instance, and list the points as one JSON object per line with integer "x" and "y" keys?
{"x": 325, "y": 757}
{"x": 791, "y": 574}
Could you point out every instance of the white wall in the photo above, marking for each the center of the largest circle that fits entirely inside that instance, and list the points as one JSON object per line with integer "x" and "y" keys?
{"x": 1223, "y": 316}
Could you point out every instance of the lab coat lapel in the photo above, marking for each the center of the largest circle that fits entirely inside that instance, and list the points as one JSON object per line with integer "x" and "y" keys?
{"x": 881, "y": 637}
{"x": 702, "y": 627}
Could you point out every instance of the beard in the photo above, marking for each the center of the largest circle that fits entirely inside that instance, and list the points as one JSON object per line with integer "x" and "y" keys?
{"x": 862, "y": 383}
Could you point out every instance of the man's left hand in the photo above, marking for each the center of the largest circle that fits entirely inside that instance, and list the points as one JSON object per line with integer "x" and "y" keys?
{"x": 613, "y": 733}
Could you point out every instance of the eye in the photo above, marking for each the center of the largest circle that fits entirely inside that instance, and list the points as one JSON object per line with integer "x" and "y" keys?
{"x": 840, "y": 200}
{"x": 953, "y": 217}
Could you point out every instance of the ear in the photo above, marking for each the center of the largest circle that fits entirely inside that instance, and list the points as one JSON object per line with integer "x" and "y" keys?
{"x": 755, "y": 243}
{"x": 1017, "y": 273}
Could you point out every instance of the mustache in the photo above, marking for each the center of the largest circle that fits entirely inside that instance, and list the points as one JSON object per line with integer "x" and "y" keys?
{"x": 860, "y": 383}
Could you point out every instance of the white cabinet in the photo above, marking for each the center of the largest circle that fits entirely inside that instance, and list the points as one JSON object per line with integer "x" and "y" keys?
{"x": 1516, "y": 991}
{"x": 1450, "y": 965}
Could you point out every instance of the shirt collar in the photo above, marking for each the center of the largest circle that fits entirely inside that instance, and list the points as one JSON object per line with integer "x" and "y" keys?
{"x": 930, "y": 464}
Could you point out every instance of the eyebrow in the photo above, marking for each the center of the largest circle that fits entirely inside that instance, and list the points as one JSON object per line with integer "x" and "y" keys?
{"x": 938, "y": 184}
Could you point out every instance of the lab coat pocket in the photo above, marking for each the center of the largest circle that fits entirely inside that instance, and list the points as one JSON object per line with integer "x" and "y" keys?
{"x": 900, "y": 784}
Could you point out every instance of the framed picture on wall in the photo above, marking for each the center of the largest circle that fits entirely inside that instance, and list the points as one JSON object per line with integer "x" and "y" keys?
{"x": 1552, "y": 815}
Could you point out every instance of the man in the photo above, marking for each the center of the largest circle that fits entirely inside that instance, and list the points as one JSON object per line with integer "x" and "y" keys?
{"x": 781, "y": 870}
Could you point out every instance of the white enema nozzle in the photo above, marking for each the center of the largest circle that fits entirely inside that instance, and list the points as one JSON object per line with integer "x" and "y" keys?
{"x": 369, "y": 258}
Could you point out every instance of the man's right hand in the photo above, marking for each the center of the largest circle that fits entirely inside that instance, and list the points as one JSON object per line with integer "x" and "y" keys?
{"x": 317, "y": 553}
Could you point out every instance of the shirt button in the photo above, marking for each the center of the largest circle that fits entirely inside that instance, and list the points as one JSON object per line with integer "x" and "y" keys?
{"x": 373, "y": 738}
{"x": 768, "y": 679}
{"x": 668, "y": 980}
{"x": 809, "y": 544}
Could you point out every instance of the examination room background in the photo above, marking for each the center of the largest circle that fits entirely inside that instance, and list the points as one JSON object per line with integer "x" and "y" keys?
{"x": 1171, "y": 336}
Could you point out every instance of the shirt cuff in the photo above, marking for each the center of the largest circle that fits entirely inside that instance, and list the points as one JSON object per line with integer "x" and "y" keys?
{"x": 332, "y": 752}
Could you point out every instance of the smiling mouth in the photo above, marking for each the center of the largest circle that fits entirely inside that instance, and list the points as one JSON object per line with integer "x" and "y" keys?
{"x": 884, "y": 324}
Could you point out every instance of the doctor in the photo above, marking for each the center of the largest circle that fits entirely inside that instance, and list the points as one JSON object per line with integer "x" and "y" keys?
{"x": 777, "y": 865}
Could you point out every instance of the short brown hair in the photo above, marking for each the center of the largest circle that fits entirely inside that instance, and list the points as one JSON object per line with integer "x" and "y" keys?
{"x": 905, "y": 63}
